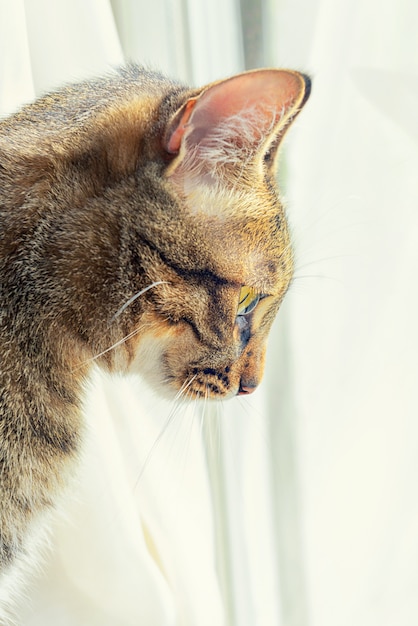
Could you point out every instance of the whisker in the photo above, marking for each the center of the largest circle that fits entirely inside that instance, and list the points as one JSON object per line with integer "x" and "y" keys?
{"x": 163, "y": 430}
{"x": 185, "y": 386}
{"x": 321, "y": 216}
{"x": 173, "y": 412}
{"x": 258, "y": 418}
{"x": 189, "y": 426}
{"x": 134, "y": 297}
{"x": 200, "y": 408}
{"x": 333, "y": 278}
{"x": 112, "y": 347}
{"x": 285, "y": 250}
{"x": 211, "y": 429}
{"x": 327, "y": 236}
{"x": 323, "y": 260}
{"x": 219, "y": 415}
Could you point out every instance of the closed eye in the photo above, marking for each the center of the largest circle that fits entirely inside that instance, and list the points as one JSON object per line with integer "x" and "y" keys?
{"x": 248, "y": 300}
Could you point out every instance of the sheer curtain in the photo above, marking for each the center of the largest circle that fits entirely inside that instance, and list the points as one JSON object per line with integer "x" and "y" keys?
{"x": 351, "y": 316}
{"x": 296, "y": 507}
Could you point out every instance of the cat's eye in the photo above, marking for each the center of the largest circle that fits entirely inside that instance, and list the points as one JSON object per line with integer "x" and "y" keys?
{"x": 248, "y": 300}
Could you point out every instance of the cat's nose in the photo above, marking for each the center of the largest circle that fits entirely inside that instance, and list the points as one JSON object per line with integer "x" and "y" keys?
{"x": 246, "y": 388}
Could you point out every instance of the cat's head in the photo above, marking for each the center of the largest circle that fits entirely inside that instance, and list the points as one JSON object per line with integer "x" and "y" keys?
{"x": 144, "y": 224}
{"x": 225, "y": 256}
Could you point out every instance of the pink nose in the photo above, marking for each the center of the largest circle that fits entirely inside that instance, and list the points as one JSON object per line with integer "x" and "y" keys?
{"x": 244, "y": 390}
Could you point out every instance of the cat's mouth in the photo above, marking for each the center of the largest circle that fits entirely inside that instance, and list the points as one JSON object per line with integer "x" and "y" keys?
{"x": 217, "y": 387}
{"x": 209, "y": 382}
{"x": 239, "y": 378}
{"x": 205, "y": 382}
{"x": 176, "y": 366}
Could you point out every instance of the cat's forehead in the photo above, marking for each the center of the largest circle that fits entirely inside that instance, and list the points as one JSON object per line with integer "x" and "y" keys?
{"x": 246, "y": 234}
{"x": 256, "y": 263}
{"x": 224, "y": 199}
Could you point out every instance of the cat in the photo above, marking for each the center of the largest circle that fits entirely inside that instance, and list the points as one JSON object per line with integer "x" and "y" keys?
{"x": 142, "y": 230}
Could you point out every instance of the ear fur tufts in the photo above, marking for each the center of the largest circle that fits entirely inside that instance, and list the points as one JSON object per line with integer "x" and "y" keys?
{"x": 232, "y": 120}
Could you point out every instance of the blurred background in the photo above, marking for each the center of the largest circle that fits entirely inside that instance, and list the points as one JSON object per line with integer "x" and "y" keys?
{"x": 297, "y": 506}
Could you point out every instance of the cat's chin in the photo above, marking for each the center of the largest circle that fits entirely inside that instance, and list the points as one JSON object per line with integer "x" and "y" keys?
{"x": 173, "y": 379}
{"x": 192, "y": 384}
{"x": 184, "y": 392}
{"x": 189, "y": 383}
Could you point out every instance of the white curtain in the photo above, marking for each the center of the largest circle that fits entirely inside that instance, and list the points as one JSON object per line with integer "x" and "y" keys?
{"x": 296, "y": 507}
{"x": 352, "y": 332}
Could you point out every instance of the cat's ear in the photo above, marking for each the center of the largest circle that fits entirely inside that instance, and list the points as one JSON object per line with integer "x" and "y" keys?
{"x": 235, "y": 119}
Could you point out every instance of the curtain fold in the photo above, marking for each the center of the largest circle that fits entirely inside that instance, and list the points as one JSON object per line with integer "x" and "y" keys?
{"x": 15, "y": 65}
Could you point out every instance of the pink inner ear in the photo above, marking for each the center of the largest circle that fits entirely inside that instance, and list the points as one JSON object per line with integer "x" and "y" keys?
{"x": 174, "y": 141}
{"x": 271, "y": 94}
{"x": 230, "y": 121}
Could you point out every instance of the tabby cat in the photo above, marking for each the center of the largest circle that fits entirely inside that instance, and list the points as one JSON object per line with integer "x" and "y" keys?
{"x": 141, "y": 229}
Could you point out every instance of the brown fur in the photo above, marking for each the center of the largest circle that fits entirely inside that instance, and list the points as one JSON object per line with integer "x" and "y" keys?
{"x": 96, "y": 205}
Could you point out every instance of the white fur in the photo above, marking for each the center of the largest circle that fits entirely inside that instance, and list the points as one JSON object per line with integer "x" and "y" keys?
{"x": 14, "y": 578}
